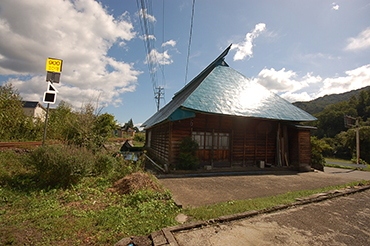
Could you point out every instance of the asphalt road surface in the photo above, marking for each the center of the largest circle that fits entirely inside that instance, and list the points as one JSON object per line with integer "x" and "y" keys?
{"x": 339, "y": 221}
{"x": 197, "y": 191}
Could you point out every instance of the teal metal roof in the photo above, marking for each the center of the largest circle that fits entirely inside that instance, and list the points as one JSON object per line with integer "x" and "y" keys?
{"x": 219, "y": 89}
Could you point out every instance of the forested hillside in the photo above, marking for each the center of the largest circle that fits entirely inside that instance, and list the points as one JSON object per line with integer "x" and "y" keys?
{"x": 331, "y": 128}
{"x": 318, "y": 105}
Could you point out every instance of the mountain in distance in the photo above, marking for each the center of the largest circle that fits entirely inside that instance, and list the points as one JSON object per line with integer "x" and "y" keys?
{"x": 317, "y": 105}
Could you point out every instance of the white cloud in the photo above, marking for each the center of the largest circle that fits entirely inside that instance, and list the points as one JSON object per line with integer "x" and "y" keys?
{"x": 335, "y": 6}
{"x": 138, "y": 125}
{"x": 294, "y": 88}
{"x": 245, "y": 48}
{"x": 148, "y": 37}
{"x": 169, "y": 42}
{"x": 80, "y": 32}
{"x": 362, "y": 41}
{"x": 282, "y": 80}
{"x": 296, "y": 97}
{"x": 287, "y": 83}
{"x": 355, "y": 79}
{"x": 150, "y": 18}
{"x": 160, "y": 58}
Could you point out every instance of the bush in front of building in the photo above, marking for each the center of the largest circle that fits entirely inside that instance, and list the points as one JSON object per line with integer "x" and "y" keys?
{"x": 188, "y": 159}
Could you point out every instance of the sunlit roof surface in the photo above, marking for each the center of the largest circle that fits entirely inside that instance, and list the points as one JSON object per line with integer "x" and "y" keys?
{"x": 219, "y": 89}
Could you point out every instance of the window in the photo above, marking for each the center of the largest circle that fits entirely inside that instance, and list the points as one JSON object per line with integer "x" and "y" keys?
{"x": 199, "y": 138}
{"x": 223, "y": 140}
{"x": 216, "y": 140}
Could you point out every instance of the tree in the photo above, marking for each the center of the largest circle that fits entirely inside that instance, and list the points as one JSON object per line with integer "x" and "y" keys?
{"x": 317, "y": 148}
{"x": 363, "y": 104}
{"x": 11, "y": 112}
{"x": 364, "y": 142}
{"x": 86, "y": 127}
{"x": 60, "y": 121}
{"x": 129, "y": 124}
{"x": 331, "y": 119}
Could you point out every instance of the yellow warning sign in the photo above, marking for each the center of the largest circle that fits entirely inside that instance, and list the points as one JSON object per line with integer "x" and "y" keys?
{"x": 54, "y": 65}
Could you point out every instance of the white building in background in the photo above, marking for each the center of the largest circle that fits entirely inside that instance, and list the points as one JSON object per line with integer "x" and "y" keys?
{"x": 34, "y": 109}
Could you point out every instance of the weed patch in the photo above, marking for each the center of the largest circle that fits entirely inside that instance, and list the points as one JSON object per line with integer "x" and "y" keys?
{"x": 40, "y": 207}
{"x": 85, "y": 213}
{"x": 61, "y": 165}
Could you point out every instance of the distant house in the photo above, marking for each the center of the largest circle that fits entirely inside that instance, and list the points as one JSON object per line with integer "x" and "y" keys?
{"x": 34, "y": 109}
{"x": 121, "y": 132}
{"x": 130, "y": 132}
{"x": 236, "y": 122}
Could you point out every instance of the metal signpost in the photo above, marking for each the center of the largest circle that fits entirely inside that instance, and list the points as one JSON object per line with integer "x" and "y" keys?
{"x": 53, "y": 69}
{"x": 348, "y": 122}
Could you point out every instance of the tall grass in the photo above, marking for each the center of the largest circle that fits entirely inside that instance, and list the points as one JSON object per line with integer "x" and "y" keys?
{"x": 82, "y": 212}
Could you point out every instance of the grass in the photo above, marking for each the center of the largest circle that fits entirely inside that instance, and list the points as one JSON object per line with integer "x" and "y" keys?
{"x": 86, "y": 213}
{"x": 338, "y": 160}
{"x": 81, "y": 214}
{"x": 343, "y": 166}
{"x": 233, "y": 207}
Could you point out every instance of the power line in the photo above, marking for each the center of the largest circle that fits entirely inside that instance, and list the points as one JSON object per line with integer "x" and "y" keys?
{"x": 148, "y": 33}
{"x": 191, "y": 33}
{"x": 145, "y": 11}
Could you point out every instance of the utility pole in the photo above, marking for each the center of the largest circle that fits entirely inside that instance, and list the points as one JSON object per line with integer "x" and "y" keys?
{"x": 348, "y": 122}
{"x": 158, "y": 95}
{"x": 358, "y": 141}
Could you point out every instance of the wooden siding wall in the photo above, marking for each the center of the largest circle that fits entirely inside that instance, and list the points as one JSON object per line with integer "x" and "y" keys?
{"x": 251, "y": 140}
{"x": 160, "y": 138}
{"x": 304, "y": 147}
{"x": 299, "y": 147}
{"x": 293, "y": 147}
{"x": 180, "y": 129}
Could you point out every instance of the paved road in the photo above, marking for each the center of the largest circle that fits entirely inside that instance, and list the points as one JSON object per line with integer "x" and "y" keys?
{"x": 197, "y": 191}
{"x": 339, "y": 221}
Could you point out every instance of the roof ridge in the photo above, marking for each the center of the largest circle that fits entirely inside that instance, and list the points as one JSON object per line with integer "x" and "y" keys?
{"x": 208, "y": 69}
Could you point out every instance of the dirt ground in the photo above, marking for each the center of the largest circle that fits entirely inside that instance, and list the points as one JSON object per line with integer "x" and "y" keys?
{"x": 197, "y": 191}
{"x": 339, "y": 221}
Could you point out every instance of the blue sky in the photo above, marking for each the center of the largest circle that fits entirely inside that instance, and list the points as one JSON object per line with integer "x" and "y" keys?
{"x": 300, "y": 50}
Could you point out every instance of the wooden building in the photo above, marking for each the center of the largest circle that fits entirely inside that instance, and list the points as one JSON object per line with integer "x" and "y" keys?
{"x": 236, "y": 122}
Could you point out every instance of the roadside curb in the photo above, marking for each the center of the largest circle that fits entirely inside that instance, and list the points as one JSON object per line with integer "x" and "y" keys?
{"x": 223, "y": 173}
{"x": 165, "y": 236}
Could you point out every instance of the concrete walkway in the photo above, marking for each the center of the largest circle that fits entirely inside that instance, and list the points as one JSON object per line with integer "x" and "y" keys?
{"x": 197, "y": 191}
{"x": 338, "y": 221}
{"x": 342, "y": 220}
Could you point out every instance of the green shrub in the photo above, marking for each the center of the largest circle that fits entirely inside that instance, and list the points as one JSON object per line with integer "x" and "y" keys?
{"x": 188, "y": 159}
{"x": 116, "y": 167}
{"x": 12, "y": 169}
{"x": 61, "y": 165}
{"x": 139, "y": 137}
{"x": 104, "y": 163}
{"x": 362, "y": 162}
{"x": 317, "y": 147}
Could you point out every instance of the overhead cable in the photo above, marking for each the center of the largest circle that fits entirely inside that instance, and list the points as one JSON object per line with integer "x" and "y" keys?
{"x": 191, "y": 33}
